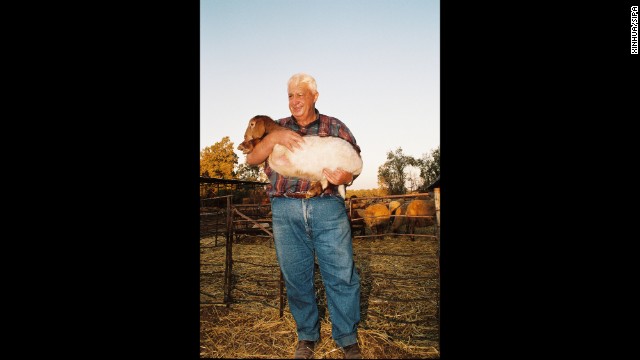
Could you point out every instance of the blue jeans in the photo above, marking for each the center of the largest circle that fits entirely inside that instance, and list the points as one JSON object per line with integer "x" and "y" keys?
{"x": 320, "y": 226}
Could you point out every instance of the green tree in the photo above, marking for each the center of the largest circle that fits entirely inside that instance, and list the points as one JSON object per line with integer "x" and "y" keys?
{"x": 219, "y": 160}
{"x": 250, "y": 172}
{"x": 429, "y": 166}
{"x": 392, "y": 175}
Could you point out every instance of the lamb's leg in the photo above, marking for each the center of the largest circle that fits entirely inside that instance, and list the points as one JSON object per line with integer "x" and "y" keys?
{"x": 318, "y": 187}
{"x": 324, "y": 182}
{"x": 315, "y": 189}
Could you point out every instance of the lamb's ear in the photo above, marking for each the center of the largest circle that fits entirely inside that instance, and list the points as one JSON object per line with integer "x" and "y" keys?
{"x": 258, "y": 129}
{"x": 249, "y": 132}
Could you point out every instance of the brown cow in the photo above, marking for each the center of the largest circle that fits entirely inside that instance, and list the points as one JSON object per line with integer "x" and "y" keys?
{"x": 417, "y": 210}
{"x": 376, "y": 217}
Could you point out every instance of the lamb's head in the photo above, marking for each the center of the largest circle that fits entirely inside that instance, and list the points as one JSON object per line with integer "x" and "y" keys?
{"x": 256, "y": 129}
{"x": 247, "y": 146}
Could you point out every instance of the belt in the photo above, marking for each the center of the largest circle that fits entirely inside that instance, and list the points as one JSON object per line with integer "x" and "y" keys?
{"x": 297, "y": 195}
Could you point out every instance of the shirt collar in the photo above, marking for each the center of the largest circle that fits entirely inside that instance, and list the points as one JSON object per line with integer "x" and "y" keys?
{"x": 311, "y": 123}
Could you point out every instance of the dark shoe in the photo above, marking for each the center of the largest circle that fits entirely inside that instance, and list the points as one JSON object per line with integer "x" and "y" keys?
{"x": 352, "y": 351}
{"x": 304, "y": 350}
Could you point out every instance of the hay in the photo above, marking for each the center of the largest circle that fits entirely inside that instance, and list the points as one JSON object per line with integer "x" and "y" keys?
{"x": 399, "y": 301}
{"x": 246, "y": 331}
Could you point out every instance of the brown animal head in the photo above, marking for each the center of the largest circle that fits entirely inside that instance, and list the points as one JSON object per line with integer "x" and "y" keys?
{"x": 258, "y": 127}
{"x": 247, "y": 146}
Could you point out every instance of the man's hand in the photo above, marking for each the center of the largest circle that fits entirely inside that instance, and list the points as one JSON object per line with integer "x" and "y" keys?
{"x": 288, "y": 138}
{"x": 338, "y": 177}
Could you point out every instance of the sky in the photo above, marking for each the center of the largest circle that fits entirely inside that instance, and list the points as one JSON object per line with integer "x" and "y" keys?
{"x": 376, "y": 64}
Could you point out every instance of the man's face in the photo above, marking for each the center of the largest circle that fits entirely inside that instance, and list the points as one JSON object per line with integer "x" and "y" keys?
{"x": 301, "y": 101}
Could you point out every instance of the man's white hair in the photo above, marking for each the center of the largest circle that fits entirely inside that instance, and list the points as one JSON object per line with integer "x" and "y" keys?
{"x": 302, "y": 78}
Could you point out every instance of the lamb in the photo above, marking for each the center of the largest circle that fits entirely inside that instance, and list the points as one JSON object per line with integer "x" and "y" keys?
{"x": 316, "y": 153}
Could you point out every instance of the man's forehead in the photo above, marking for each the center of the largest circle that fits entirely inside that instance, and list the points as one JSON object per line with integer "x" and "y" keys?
{"x": 298, "y": 88}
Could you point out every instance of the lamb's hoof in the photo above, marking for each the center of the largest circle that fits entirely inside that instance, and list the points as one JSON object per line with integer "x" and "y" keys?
{"x": 313, "y": 193}
{"x": 314, "y": 190}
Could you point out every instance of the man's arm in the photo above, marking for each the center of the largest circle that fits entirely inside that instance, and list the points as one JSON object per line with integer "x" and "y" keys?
{"x": 263, "y": 149}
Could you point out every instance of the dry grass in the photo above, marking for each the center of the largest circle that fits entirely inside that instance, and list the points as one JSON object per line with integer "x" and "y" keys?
{"x": 247, "y": 331}
{"x": 399, "y": 301}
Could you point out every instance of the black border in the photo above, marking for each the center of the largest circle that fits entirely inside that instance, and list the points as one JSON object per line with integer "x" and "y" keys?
{"x": 538, "y": 104}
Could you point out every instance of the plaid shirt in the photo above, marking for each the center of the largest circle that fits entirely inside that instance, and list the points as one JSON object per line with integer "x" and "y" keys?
{"x": 323, "y": 125}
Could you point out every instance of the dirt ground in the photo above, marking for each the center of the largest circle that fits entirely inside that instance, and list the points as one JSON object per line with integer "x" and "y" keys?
{"x": 400, "y": 292}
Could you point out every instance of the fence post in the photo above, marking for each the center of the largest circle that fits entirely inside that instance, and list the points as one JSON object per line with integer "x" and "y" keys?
{"x": 228, "y": 261}
{"x": 281, "y": 292}
{"x": 436, "y": 194}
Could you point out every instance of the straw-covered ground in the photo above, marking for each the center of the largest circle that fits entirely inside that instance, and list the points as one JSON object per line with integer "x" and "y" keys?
{"x": 399, "y": 301}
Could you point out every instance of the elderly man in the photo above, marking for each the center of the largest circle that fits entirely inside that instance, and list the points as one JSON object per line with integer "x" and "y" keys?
{"x": 305, "y": 228}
